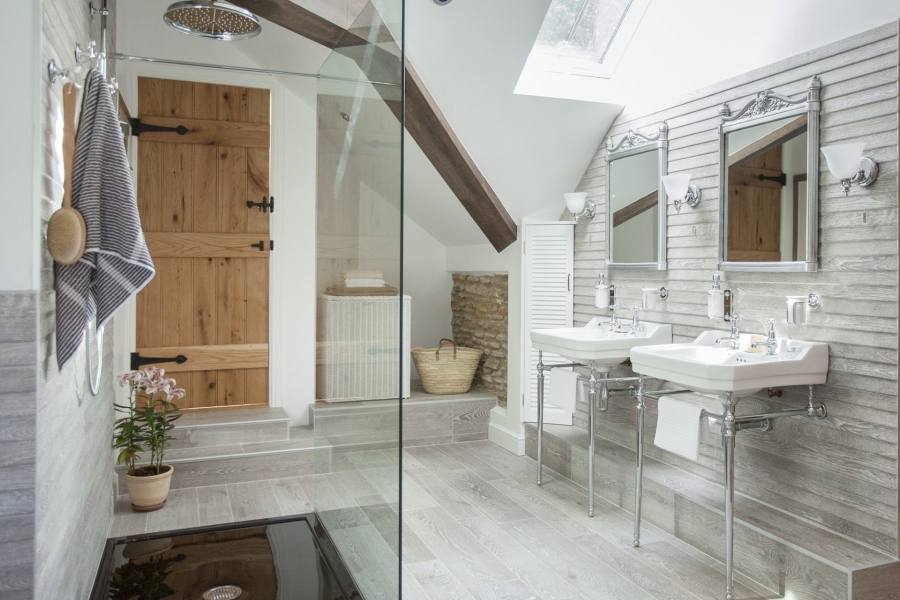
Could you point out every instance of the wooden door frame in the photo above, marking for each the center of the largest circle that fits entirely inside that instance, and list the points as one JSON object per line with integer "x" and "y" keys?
{"x": 126, "y": 332}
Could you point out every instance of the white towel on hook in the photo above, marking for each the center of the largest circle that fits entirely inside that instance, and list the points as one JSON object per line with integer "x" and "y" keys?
{"x": 563, "y": 389}
{"x": 678, "y": 427}
{"x": 116, "y": 264}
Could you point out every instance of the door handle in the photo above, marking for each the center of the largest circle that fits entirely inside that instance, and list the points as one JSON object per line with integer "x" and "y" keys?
{"x": 569, "y": 282}
{"x": 137, "y": 360}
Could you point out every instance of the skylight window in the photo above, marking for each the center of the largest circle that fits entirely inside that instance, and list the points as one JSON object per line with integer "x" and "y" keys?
{"x": 582, "y": 28}
{"x": 579, "y": 38}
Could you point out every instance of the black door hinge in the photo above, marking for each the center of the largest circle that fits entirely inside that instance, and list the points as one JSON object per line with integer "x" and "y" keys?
{"x": 137, "y": 361}
{"x": 138, "y": 127}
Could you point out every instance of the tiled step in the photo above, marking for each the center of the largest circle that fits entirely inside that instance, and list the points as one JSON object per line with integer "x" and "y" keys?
{"x": 786, "y": 554}
{"x": 229, "y": 426}
{"x": 235, "y": 445}
{"x": 427, "y": 419}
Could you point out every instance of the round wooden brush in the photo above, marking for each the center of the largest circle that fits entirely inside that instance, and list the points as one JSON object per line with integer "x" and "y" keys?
{"x": 66, "y": 231}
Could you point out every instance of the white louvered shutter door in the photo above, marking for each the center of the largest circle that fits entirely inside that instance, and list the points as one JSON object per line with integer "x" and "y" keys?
{"x": 549, "y": 302}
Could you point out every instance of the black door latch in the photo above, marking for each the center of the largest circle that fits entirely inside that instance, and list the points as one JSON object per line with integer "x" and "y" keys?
{"x": 266, "y": 206}
{"x": 261, "y": 245}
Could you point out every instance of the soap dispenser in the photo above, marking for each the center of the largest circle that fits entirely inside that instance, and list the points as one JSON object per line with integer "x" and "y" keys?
{"x": 601, "y": 292}
{"x": 715, "y": 301}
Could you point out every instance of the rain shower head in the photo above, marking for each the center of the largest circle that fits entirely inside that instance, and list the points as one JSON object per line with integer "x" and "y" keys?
{"x": 212, "y": 19}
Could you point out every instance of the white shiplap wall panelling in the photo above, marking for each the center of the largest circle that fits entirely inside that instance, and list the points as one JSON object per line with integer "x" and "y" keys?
{"x": 840, "y": 472}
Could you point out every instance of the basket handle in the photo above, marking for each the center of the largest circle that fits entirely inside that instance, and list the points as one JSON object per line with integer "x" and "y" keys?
{"x": 447, "y": 341}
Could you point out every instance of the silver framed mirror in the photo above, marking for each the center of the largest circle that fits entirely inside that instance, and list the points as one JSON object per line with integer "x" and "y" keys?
{"x": 636, "y": 199}
{"x": 768, "y": 183}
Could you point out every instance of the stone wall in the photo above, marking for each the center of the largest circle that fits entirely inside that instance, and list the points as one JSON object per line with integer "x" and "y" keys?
{"x": 479, "y": 304}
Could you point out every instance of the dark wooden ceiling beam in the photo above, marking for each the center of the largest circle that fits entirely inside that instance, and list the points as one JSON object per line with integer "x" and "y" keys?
{"x": 423, "y": 118}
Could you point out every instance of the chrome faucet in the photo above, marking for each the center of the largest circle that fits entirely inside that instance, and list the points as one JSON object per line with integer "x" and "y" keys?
{"x": 734, "y": 337}
{"x": 635, "y": 320}
{"x": 771, "y": 343}
{"x": 613, "y": 320}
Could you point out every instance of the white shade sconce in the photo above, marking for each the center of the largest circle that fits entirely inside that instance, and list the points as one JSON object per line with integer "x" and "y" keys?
{"x": 848, "y": 163}
{"x": 578, "y": 204}
{"x": 679, "y": 188}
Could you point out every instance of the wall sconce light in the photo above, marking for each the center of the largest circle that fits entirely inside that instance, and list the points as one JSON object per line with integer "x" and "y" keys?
{"x": 848, "y": 163}
{"x": 679, "y": 188}
{"x": 579, "y": 205}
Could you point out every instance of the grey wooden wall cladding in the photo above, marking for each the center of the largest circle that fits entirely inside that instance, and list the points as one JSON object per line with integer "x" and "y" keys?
{"x": 18, "y": 331}
{"x": 840, "y": 472}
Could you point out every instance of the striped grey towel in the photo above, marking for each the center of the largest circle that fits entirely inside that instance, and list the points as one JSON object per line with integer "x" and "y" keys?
{"x": 116, "y": 263}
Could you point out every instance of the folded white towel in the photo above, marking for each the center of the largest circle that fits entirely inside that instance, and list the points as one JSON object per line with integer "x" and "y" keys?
{"x": 563, "y": 388}
{"x": 678, "y": 427}
{"x": 363, "y": 275}
{"x": 357, "y": 283}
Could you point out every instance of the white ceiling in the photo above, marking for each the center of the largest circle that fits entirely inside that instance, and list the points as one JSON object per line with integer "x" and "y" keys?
{"x": 683, "y": 46}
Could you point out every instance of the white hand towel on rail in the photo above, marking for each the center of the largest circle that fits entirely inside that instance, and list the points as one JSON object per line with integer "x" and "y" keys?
{"x": 563, "y": 388}
{"x": 678, "y": 427}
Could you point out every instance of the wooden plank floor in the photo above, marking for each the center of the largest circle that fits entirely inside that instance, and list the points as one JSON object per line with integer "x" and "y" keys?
{"x": 475, "y": 527}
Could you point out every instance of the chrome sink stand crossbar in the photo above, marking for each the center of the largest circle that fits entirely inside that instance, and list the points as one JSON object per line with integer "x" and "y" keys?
{"x": 598, "y": 391}
{"x": 731, "y": 425}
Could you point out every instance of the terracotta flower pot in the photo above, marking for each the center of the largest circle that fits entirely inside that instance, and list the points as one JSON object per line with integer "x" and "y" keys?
{"x": 149, "y": 492}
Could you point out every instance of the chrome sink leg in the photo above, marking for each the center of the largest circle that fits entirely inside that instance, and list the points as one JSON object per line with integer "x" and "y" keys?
{"x": 592, "y": 407}
{"x": 639, "y": 461}
{"x": 729, "y": 431}
{"x": 540, "y": 415}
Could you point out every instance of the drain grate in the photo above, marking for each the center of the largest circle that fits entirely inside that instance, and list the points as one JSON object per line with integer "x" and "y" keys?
{"x": 223, "y": 592}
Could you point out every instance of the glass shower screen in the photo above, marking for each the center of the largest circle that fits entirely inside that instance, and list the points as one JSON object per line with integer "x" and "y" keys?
{"x": 362, "y": 370}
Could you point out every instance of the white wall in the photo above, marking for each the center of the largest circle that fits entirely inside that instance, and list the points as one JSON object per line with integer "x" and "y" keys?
{"x": 19, "y": 156}
{"x": 427, "y": 280}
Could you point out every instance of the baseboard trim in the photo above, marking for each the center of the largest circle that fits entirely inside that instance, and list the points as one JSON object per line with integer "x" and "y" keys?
{"x": 506, "y": 439}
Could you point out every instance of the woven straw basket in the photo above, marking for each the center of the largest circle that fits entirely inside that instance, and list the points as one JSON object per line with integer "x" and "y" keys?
{"x": 447, "y": 369}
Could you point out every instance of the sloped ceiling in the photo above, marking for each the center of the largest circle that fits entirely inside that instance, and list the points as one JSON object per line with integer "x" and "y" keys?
{"x": 530, "y": 149}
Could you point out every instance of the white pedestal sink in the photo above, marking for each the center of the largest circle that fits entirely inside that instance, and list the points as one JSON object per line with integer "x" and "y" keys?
{"x": 601, "y": 348}
{"x": 594, "y": 345}
{"x": 709, "y": 364}
{"x": 733, "y": 368}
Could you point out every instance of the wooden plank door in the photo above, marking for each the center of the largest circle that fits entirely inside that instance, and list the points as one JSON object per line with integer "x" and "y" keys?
{"x": 210, "y": 298}
{"x": 754, "y": 208}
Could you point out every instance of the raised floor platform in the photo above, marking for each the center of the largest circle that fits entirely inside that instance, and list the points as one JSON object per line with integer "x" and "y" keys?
{"x": 427, "y": 419}
{"x": 236, "y": 445}
{"x": 788, "y": 555}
